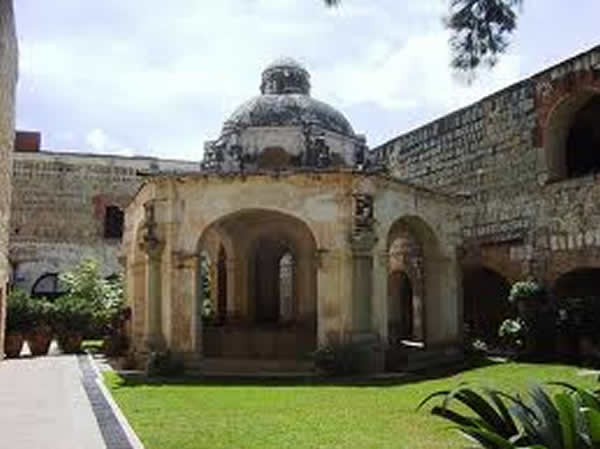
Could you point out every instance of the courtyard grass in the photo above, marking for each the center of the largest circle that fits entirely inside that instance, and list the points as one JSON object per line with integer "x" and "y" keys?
{"x": 217, "y": 414}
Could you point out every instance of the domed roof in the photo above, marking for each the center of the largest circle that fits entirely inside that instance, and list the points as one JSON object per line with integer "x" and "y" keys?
{"x": 285, "y": 101}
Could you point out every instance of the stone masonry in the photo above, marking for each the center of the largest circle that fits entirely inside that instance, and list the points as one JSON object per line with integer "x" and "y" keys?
{"x": 59, "y": 206}
{"x": 522, "y": 215}
{"x": 8, "y": 80}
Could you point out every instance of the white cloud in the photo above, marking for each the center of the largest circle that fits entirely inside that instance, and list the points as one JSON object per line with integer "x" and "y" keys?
{"x": 99, "y": 142}
{"x": 165, "y": 78}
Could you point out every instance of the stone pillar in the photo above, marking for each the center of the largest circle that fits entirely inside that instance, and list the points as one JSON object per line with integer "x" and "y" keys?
{"x": 379, "y": 301}
{"x": 154, "y": 339}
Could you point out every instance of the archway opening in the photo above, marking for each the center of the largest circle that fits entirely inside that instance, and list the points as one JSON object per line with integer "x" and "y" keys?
{"x": 578, "y": 303}
{"x": 485, "y": 294}
{"x": 572, "y": 136}
{"x": 400, "y": 308}
{"x": 406, "y": 285}
{"x": 414, "y": 248}
{"x": 267, "y": 286}
{"x": 583, "y": 141}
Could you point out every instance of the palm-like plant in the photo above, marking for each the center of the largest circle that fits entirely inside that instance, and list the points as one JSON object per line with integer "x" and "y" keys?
{"x": 570, "y": 419}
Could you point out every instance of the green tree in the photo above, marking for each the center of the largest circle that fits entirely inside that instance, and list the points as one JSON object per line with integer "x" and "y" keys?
{"x": 480, "y": 30}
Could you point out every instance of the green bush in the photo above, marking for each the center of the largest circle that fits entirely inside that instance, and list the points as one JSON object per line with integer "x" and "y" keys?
{"x": 512, "y": 333}
{"x": 18, "y": 312}
{"x": 73, "y": 315}
{"x": 524, "y": 290}
{"x": 342, "y": 358}
{"x": 87, "y": 291}
{"x": 569, "y": 419}
{"x": 163, "y": 364}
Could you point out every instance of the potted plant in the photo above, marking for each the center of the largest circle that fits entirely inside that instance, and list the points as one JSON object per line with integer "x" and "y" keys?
{"x": 74, "y": 318}
{"x": 39, "y": 335}
{"x": 17, "y": 322}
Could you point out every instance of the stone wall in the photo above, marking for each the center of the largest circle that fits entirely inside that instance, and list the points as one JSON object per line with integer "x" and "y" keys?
{"x": 521, "y": 215}
{"x": 59, "y": 206}
{"x": 8, "y": 80}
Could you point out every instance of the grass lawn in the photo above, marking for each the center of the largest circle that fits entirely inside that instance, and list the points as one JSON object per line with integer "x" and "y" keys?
{"x": 196, "y": 414}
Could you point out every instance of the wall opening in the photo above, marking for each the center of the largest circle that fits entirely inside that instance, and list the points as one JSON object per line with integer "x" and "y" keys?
{"x": 113, "y": 222}
{"x": 583, "y": 141}
{"x": 47, "y": 286}
{"x": 486, "y": 305}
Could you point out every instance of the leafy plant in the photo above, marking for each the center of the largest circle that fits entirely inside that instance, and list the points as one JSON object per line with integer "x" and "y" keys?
{"x": 18, "y": 312}
{"x": 523, "y": 290}
{"x": 513, "y": 333}
{"x": 163, "y": 364}
{"x": 74, "y": 315}
{"x": 87, "y": 291}
{"x": 340, "y": 358}
{"x": 570, "y": 419}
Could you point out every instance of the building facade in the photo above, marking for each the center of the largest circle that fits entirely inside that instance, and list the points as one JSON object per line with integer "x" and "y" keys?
{"x": 8, "y": 80}
{"x": 69, "y": 206}
{"x": 527, "y": 159}
{"x": 286, "y": 235}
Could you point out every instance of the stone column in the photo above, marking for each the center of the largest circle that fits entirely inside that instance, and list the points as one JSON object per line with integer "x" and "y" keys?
{"x": 154, "y": 339}
{"x": 379, "y": 300}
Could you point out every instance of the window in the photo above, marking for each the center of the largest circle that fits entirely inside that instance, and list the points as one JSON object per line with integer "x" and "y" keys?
{"x": 113, "y": 223}
{"x": 47, "y": 286}
{"x": 583, "y": 141}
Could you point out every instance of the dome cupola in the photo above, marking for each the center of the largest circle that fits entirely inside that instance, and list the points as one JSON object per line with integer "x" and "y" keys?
{"x": 285, "y": 76}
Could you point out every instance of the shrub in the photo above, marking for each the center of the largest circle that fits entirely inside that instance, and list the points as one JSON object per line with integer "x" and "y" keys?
{"x": 163, "y": 364}
{"x": 342, "y": 358}
{"x": 73, "y": 315}
{"x": 570, "y": 419}
{"x": 524, "y": 290}
{"x": 512, "y": 333}
{"x": 88, "y": 290}
{"x": 18, "y": 312}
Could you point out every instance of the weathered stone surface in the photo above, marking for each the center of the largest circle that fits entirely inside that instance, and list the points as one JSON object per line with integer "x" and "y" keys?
{"x": 59, "y": 205}
{"x": 8, "y": 80}
{"x": 502, "y": 152}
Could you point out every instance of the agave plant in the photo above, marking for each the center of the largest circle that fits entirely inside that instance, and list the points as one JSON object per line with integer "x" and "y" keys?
{"x": 570, "y": 419}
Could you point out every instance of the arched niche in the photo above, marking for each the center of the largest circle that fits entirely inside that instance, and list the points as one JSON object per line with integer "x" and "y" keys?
{"x": 438, "y": 308}
{"x": 572, "y": 136}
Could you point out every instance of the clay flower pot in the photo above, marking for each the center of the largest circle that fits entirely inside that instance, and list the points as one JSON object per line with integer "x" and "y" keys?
{"x": 39, "y": 340}
{"x": 13, "y": 343}
{"x": 70, "y": 343}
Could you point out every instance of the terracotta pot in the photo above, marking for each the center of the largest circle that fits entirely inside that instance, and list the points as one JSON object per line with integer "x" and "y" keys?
{"x": 70, "y": 343}
{"x": 39, "y": 340}
{"x": 13, "y": 343}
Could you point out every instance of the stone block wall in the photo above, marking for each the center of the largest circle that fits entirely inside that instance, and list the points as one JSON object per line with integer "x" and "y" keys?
{"x": 521, "y": 216}
{"x": 59, "y": 205}
{"x": 8, "y": 80}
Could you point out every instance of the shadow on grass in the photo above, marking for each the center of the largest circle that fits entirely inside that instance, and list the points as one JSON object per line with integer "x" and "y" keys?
{"x": 388, "y": 379}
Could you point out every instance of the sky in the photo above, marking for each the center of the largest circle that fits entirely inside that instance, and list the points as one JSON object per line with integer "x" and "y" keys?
{"x": 156, "y": 78}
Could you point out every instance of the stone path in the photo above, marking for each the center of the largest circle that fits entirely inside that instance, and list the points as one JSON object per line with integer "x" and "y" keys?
{"x": 55, "y": 402}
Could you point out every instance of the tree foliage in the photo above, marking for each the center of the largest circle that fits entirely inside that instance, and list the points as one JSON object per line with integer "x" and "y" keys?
{"x": 480, "y": 30}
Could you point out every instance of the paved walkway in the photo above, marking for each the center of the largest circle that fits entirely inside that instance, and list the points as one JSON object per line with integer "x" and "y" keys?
{"x": 44, "y": 405}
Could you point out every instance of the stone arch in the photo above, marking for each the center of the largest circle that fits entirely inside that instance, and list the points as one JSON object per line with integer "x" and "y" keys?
{"x": 439, "y": 308}
{"x": 257, "y": 241}
{"x": 48, "y": 286}
{"x": 570, "y": 125}
{"x": 406, "y": 267}
{"x": 485, "y": 299}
